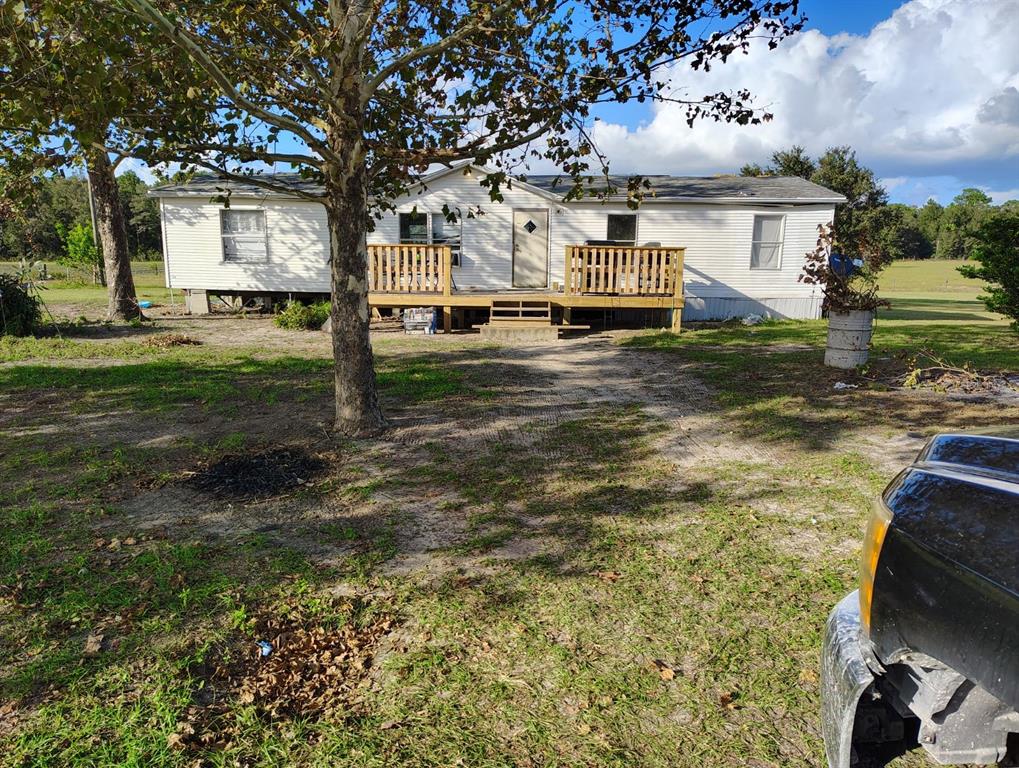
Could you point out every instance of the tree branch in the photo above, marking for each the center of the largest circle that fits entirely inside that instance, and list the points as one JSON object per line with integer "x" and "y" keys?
{"x": 369, "y": 88}
{"x": 198, "y": 54}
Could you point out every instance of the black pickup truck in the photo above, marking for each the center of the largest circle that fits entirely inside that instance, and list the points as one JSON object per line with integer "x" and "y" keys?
{"x": 926, "y": 651}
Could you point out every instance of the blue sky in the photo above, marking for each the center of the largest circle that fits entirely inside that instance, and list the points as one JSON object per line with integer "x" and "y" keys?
{"x": 926, "y": 91}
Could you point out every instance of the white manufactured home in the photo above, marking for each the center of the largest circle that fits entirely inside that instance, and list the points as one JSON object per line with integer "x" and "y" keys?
{"x": 697, "y": 248}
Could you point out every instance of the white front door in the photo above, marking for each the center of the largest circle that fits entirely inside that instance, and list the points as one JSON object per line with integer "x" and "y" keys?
{"x": 530, "y": 248}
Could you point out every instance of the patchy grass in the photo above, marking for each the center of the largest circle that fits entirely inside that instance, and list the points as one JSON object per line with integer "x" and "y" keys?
{"x": 772, "y": 385}
{"x": 496, "y": 583}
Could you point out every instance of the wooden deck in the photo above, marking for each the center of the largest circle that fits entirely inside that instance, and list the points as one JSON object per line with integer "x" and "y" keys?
{"x": 597, "y": 277}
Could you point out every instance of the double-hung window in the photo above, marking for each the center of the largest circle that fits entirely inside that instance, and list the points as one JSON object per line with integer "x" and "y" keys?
{"x": 622, "y": 229}
{"x": 766, "y": 250}
{"x": 244, "y": 236}
{"x": 432, "y": 229}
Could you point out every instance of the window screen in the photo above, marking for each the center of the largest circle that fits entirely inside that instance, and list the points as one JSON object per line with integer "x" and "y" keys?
{"x": 244, "y": 236}
{"x": 623, "y": 229}
{"x": 766, "y": 252}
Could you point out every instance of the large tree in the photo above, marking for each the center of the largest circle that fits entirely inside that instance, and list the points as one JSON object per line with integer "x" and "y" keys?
{"x": 839, "y": 170}
{"x": 784, "y": 162}
{"x": 364, "y": 95}
{"x": 70, "y": 80}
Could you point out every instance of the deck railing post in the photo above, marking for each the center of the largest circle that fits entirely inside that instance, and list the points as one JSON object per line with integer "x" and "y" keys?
{"x": 447, "y": 287}
{"x": 677, "y": 288}
{"x": 568, "y": 271}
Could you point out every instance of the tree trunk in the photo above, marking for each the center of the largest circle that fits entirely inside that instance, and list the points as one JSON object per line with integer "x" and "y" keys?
{"x": 123, "y": 302}
{"x": 357, "y": 404}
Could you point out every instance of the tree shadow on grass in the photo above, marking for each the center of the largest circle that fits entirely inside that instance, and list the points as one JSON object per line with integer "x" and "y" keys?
{"x": 581, "y": 481}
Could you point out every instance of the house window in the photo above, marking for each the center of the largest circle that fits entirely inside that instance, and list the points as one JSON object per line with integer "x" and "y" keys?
{"x": 244, "y": 236}
{"x": 766, "y": 251}
{"x": 432, "y": 229}
{"x": 622, "y": 229}
{"x": 413, "y": 228}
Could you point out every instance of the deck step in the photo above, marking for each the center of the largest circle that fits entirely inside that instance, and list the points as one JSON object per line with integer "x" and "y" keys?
{"x": 518, "y": 312}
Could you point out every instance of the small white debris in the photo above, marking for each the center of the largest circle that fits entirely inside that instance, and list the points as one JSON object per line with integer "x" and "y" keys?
{"x": 841, "y": 385}
{"x": 752, "y": 320}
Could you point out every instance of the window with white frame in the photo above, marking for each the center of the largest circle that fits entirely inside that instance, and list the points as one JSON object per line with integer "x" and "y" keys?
{"x": 622, "y": 229}
{"x": 766, "y": 251}
{"x": 432, "y": 229}
{"x": 244, "y": 235}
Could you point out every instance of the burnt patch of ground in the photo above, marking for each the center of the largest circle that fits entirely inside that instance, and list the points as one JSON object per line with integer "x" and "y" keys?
{"x": 246, "y": 477}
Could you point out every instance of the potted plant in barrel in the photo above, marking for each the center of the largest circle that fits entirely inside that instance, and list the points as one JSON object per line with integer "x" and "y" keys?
{"x": 849, "y": 286}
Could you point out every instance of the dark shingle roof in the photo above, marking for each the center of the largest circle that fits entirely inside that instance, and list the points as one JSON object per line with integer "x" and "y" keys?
{"x": 773, "y": 189}
{"x": 770, "y": 188}
{"x": 210, "y": 185}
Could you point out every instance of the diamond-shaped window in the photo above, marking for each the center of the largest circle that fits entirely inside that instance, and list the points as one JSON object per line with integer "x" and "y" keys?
{"x": 530, "y": 226}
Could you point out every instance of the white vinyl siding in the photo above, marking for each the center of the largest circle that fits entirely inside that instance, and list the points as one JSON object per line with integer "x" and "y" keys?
{"x": 244, "y": 236}
{"x": 766, "y": 246}
{"x": 297, "y": 243}
{"x": 718, "y": 237}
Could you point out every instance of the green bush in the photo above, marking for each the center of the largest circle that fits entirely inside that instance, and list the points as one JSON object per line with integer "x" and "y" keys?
{"x": 996, "y": 250}
{"x": 303, "y": 317}
{"x": 19, "y": 309}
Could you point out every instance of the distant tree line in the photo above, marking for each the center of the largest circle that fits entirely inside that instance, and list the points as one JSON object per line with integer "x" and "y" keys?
{"x": 868, "y": 223}
{"x": 57, "y": 225}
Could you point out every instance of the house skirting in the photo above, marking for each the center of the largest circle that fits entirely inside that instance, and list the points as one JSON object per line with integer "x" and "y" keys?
{"x": 697, "y": 308}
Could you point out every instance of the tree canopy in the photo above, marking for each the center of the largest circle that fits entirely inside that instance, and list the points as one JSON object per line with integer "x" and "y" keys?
{"x": 364, "y": 95}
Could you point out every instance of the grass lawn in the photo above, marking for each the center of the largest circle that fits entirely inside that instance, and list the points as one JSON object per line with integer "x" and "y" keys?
{"x": 616, "y": 551}
{"x": 68, "y": 293}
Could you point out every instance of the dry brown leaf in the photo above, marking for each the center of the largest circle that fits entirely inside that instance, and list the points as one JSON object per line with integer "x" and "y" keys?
{"x": 728, "y": 700}
{"x": 93, "y": 644}
{"x": 808, "y": 676}
{"x": 609, "y": 576}
{"x": 665, "y": 671}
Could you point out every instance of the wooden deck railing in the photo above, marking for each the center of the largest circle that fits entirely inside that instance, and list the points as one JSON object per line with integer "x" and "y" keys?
{"x": 624, "y": 271}
{"x": 410, "y": 269}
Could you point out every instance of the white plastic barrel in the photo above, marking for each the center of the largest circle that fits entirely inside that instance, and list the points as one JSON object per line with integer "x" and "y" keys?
{"x": 848, "y": 338}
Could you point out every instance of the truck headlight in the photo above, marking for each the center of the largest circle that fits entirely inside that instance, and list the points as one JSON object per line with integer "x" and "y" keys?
{"x": 880, "y": 519}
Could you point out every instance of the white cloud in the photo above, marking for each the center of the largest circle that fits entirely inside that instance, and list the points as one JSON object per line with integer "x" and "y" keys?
{"x": 1002, "y": 196}
{"x": 929, "y": 91}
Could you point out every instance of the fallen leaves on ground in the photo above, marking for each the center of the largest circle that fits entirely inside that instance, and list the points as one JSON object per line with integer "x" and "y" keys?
{"x": 166, "y": 340}
{"x": 315, "y": 669}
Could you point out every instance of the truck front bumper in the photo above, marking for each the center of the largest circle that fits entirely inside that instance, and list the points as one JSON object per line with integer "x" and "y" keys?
{"x": 844, "y": 678}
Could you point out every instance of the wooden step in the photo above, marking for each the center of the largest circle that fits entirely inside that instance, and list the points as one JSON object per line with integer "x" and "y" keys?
{"x": 518, "y": 312}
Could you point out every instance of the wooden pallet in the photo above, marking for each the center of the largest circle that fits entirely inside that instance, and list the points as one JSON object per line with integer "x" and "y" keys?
{"x": 520, "y": 313}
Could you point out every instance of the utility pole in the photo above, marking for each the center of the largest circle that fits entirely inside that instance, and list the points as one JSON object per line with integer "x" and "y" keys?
{"x": 98, "y": 274}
